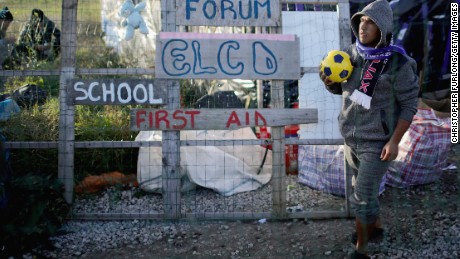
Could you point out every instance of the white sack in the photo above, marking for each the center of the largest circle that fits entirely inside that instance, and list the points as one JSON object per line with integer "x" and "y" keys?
{"x": 226, "y": 169}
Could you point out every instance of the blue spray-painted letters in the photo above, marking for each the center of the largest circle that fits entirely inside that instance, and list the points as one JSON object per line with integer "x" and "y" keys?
{"x": 265, "y": 4}
{"x": 189, "y": 8}
{"x": 228, "y": 9}
{"x": 175, "y": 57}
{"x": 270, "y": 66}
{"x": 226, "y": 67}
{"x": 197, "y": 66}
{"x": 180, "y": 58}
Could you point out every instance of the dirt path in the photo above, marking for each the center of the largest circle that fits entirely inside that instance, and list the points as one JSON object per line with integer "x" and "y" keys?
{"x": 408, "y": 214}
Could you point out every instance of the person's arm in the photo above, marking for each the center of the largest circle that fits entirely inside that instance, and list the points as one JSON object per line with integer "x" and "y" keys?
{"x": 390, "y": 150}
{"x": 42, "y": 47}
{"x": 406, "y": 91}
{"x": 48, "y": 35}
{"x": 24, "y": 37}
{"x": 57, "y": 40}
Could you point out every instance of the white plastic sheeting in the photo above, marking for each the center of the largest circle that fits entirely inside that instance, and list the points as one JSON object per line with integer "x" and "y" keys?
{"x": 318, "y": 33}
{"x": 225, "y": 169}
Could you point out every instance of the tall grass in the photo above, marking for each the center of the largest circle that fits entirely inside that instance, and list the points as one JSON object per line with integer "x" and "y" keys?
{"x": 88, "y": 10}
{"x": 92, "y": 123}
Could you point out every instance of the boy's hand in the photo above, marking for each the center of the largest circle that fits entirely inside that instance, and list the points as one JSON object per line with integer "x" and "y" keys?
{"x": 324, "y": 78}
{"x": 389, "y": 151}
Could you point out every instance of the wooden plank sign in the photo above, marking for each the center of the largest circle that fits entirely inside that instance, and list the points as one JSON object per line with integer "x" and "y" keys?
{"x": 117, "y": 91}
{"x": 215, "y": 119}
{"x": 227, "y": 56}
{"x": 228, "y": 12}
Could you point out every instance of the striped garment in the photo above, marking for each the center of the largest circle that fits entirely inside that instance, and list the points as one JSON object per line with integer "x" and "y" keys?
{"x": 423, "y": 151}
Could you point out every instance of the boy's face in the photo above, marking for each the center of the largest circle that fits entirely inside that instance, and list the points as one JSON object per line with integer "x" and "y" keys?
{"x": 369, "y": 33}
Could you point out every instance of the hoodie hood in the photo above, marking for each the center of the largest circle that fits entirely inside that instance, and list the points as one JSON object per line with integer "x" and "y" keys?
{"x": 380, "y": 12}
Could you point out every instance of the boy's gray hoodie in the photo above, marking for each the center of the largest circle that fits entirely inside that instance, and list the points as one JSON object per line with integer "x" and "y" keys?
{"x": 396, "y": 93}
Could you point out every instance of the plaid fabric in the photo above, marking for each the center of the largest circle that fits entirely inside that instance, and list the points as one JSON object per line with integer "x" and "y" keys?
{"x": 422, "y": 155}
{"x": 321, "y": 168}
{"x": 422, "y": 151}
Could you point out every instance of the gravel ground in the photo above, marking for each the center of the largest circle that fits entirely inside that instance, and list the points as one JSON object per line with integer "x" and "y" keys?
{"x": 420, "y": 222}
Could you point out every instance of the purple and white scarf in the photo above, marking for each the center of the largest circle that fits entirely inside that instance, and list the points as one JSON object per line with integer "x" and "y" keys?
{"x": 376, "y": 59}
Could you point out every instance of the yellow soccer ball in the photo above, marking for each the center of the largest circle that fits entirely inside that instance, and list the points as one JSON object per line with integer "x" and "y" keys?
{"x": 337, "y": 66}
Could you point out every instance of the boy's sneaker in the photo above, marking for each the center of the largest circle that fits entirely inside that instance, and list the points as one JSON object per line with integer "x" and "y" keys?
{"x": 358, "y": 255}
{"x": 376, "y": 236}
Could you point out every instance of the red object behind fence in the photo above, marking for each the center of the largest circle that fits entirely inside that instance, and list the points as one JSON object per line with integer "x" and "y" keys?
{"x": 291, "y": 151}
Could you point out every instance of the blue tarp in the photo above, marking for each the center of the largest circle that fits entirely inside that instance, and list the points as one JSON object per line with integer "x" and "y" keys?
{"x": 8, "y": 107}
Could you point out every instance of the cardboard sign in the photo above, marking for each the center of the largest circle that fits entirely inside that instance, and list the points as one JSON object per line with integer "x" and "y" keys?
{"x": 117, "y": 91}
{"x": 216, "y": 119}
{"x": 228, "y": 12}
{"x": 227, "y": 56}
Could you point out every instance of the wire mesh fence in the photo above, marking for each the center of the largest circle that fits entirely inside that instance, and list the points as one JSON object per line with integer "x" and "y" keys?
{"x": 117, "y": 172}
{"x": 63, "y": 130}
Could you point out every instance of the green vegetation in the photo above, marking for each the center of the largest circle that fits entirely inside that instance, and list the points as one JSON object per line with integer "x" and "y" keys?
{"x": 32, "y": 215}
{"x": 92, "y": 123}
{"x": 41, "y": 123}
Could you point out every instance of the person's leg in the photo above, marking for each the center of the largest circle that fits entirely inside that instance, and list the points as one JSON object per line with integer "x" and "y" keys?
{"x": 352, "y": 164}
{"x": 364, "y": 200}
{"x": 19, "y": 54}
{"x": 363, "y": 231}
{"x": 378, "y": 223}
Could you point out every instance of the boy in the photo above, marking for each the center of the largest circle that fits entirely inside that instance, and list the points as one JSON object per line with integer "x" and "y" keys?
{"x": 379, "y": 102}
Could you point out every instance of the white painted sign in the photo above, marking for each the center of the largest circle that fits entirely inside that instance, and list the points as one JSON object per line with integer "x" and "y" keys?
{"x": 228, "y": 12}
{"x": 117, "y": 91}
{"x": 227, "y": 56}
